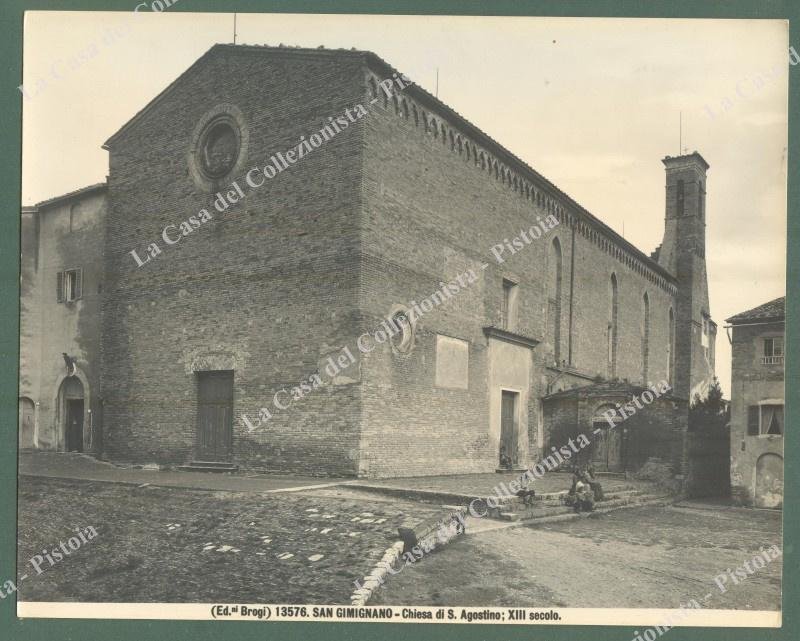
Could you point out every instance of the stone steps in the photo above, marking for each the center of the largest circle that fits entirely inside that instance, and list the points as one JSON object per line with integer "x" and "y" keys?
{"x": 208, "y": 466}
{"x": 553, "y": 502}
{"x": 564, "y": 512}
{"x": 509, "y": 507}
{"x": 458, "y": 498}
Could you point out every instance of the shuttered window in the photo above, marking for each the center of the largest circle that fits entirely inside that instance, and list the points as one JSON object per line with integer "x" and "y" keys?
{"x": 69, "y": 285}
{"x": 60, "y": 287}
{"x": 753, "y": 413}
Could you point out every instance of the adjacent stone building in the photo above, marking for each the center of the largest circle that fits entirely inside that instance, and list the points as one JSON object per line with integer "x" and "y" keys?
{"x": 61, "y": 285}
{"x": 311, "y": 265}
{"x": 757, "y": 399}
{"x": 621, "y": 441}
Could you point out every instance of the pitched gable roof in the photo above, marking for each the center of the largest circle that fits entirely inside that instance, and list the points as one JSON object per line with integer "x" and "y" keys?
{"x": 218, "y": 48}
{"x": 774, "y": 310}
{"x": 83, "y": 191}
{"x": 377, "y": 63}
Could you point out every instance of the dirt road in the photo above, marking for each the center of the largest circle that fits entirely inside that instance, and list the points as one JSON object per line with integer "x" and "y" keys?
{"x": 650, "y": 557}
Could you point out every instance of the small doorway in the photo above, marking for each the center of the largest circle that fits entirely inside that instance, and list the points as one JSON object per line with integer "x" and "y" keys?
{"x": 27, "y": 417}
{"x": 71, "y": 406}
{"x": 509, "y": 455}
{"x": 215, "y": 416}
{"x": 769, "y": 481}
{"x": 74, "y": 427}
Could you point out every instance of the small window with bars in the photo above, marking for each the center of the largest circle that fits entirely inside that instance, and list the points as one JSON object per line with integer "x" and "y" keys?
{"x": 69, "y": 285}
{"x": 773, "y": 347}
{"x": 773, "y": 351}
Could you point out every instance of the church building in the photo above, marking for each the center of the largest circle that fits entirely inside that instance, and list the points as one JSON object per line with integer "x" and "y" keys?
{"x": 248, "y": 289}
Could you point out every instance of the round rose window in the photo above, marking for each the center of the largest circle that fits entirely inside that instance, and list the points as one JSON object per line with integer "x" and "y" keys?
{"x": 219, "y": 149}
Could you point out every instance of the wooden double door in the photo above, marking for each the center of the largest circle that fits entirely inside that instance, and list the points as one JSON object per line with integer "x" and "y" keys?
{"x": 214, "y": 416}
{"x": 607, "y": 448}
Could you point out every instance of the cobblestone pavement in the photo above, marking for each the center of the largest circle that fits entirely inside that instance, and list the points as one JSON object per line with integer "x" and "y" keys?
{"x": 648, "y": 557}
{"x": 157, "y": 544}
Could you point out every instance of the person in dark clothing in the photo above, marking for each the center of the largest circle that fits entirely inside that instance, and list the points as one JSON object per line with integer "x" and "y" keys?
{"x": 588, "y": 477}
{"x": 580, "y": 496}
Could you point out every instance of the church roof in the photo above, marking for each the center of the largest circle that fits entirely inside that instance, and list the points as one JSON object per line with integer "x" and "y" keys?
{"x": 604, "y": 388}
{"x": 774, "y": 310}
{"x": 378, "y": 63}
{"x": 83, "y": 191}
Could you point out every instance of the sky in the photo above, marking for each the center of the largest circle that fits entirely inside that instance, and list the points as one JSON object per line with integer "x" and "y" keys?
{"x": 592, "y": 104}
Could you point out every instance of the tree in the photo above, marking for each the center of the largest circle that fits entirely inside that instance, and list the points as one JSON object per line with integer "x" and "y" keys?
{"x": 710, "y": 414}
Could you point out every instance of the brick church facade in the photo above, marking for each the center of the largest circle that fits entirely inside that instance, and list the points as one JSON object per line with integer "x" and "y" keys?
{"x": 173, "y": 348}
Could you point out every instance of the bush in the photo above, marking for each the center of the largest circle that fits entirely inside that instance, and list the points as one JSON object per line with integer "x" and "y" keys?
{"x": 660, "y": 473}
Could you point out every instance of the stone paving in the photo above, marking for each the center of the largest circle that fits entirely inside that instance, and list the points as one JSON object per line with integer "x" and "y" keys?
{"x": 184, "y": 536}
{"x": 165, "y": 544}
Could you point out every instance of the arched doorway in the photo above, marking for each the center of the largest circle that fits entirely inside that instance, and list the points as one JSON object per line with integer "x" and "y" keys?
{"x": 606, "y": 453}
{"x": 769, "y": 481}
{"x": 27, "y": 423}
{"x": 71, "y": 402}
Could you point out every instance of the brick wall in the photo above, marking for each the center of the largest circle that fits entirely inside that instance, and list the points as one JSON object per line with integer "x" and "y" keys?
{"x": 377, "y": 217}
{"x": 431, "y": 210}
{"x": 266, "y": 288}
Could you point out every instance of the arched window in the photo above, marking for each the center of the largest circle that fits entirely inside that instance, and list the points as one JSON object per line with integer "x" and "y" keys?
{"x": 601, "y": 416}
{"x": 671, "y": 348}
{"x": 554, "y": 302}
{"x": 612, "y": 328}
{"x": 645, "y": 336}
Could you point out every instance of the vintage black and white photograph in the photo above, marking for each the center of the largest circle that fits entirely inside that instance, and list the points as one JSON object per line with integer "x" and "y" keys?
{"x": 436, "y": 319}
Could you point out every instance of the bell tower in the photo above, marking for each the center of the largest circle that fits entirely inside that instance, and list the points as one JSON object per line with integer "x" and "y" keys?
{"x": 683, "y": 253}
